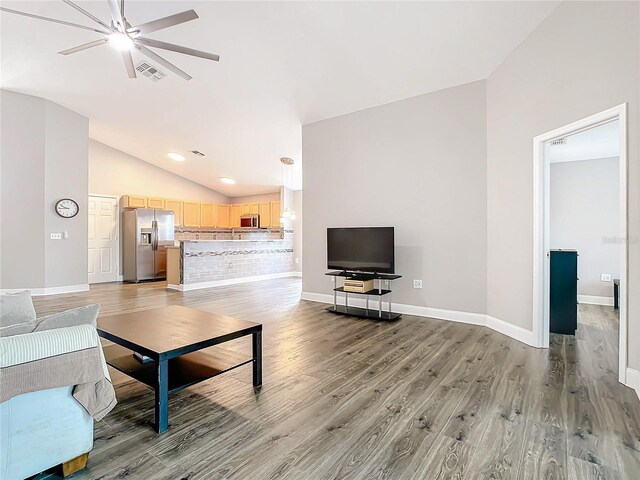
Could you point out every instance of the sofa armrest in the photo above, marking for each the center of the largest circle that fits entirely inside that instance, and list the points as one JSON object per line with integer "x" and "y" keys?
{"x": 19, "y": 349}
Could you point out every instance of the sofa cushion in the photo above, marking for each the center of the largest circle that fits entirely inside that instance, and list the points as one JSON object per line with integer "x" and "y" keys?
{"x": 19, "y": 329}
{"x": 17, "y": 314}
{"x": 69, "y": 318}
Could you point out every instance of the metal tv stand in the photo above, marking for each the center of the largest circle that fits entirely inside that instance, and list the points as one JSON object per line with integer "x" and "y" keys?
{"x": 375, "y": 314}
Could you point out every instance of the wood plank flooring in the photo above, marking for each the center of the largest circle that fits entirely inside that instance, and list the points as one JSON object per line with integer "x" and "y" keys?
{"x": 354, "y": 399}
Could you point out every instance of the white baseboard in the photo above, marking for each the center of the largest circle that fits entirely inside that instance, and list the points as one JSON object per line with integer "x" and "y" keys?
{"x": 230, "y": 281}
{"x": 120, "y": 278}
{"x": 39, "y": 292}
{"x": 595, "y": 300}
{"x": 513, "y": 331}
{"x": 510, "y": 330}
{"x": 633, "y": 380}
{"x": 454, "y": 316}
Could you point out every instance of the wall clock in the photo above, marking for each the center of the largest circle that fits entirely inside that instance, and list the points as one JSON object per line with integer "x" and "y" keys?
{"x": 67, "y": 208}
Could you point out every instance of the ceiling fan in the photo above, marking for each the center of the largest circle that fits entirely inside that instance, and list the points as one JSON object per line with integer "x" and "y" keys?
{"x": 121, "y": 35}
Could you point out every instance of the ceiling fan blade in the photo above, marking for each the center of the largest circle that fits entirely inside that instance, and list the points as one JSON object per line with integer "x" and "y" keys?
{"x": 84, "y": 46}
{"x": 128, "y": 63}
{"x": 165, "y": 22}
{"x": 116, "y": 14}
{"x": 54, "y": 20}
{"x": 177, "y": 48}
{"x": 162, "y": 61}
{"x": 90, "y": 15}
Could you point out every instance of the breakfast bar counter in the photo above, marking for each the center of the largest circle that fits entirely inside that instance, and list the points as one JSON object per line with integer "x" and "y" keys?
{"x": 250, "y": 256}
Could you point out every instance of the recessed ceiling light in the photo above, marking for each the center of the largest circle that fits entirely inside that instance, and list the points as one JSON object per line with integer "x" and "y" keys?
{"x": 176, "y": 156}
{"x": 120, "y": 41}
{"x": 227, "y": 180}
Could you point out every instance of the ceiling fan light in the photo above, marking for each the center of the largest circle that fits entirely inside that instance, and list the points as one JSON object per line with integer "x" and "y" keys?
{"x": 176, "y": 156}
{"x": 120, "y": 41}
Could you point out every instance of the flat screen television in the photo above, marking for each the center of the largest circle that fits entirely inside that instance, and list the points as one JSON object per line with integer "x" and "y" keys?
{"x": 361, "y": 249}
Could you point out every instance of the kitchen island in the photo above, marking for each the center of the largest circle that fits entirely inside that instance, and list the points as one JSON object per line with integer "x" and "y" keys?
{"x": 246, "y": 257}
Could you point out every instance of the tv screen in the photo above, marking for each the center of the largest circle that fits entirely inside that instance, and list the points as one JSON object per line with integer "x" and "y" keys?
{"x": 361, "y": 249}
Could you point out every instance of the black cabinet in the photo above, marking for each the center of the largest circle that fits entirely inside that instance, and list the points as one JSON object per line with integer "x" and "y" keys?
{"x": 563, "y": 307}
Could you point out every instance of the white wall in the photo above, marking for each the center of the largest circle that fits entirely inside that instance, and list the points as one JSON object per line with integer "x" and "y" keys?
{"x": 583, "y": 59}
{"x": 585, "y": 216}
{"x": 44, "y": 159}
{"x": 418, "y": 165}
{"x": 297, "y": 230}
{"x": 112, "y": 172}
{"x": 264, "y": 197}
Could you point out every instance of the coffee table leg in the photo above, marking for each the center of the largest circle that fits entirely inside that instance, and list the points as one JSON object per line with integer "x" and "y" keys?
{"x": 162, "y": 396}
{"x": 257, "y": 358}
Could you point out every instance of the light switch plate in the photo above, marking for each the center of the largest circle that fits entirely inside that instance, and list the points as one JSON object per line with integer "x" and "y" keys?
{"x": 606, "y": 277}
{"x": 55, "y": 236}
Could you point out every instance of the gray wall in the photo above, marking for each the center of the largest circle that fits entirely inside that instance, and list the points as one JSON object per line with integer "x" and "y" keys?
{"x": 583, "y": 59}
{"x": 22, "y": 153}
{"x": 418, "y": 165}
{"x": 66, "y": 176}
{"x": 113, "y": 172}
{"x": 585, "y": 215}
{"x": 44, "y": 159}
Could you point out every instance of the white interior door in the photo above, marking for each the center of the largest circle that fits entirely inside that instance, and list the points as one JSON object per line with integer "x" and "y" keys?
{"x": 103, "y": 239}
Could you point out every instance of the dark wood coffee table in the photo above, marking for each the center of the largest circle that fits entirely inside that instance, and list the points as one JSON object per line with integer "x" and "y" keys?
{"x": 174, "y": 338}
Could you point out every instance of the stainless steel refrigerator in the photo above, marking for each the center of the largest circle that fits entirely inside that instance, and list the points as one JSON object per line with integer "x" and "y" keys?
{"x": 147, "y": 232}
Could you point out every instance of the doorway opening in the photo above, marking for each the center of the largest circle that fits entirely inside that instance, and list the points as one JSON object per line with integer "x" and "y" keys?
{"x": 549, "y": 232}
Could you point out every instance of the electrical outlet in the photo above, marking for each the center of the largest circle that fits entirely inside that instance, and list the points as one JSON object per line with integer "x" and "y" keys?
{"x": 55, "y": 236}
{"x": 297, "y": 260}
{"x": 606, "y": 277}
{"x": 417, "y": 284}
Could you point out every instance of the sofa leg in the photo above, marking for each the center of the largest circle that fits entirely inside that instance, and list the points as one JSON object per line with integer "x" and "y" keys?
{"x": 74, "y": 465}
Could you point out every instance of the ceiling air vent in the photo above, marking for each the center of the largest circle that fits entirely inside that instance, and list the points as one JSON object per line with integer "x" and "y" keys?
{"x": 558, "y": 141}
{"x": 197, "y": 153}
{"x": 150, "y": 72}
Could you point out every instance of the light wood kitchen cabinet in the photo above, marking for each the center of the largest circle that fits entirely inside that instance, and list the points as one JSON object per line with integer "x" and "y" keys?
{"x": 133, "y": 201}
{"x": 264, "y": 210}
{"x": 249, "y": 209}
{"x": 275, "y": 214}
{"x": 191, "y": 214}
{"x": 223, "y": 216}
{"x": 155, "y": 202}
{"x": 208, "y": 214}
{"x": 236, "y": 213}
{"x": 203, "y": 214}
{"x": 176, "y": 207}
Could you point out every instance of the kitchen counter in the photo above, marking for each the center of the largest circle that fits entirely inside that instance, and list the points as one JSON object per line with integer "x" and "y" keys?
{"x": 195, "y": 264}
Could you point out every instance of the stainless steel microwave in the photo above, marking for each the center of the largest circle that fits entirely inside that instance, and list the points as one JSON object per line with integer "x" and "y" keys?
{"x": 250, "y": 221}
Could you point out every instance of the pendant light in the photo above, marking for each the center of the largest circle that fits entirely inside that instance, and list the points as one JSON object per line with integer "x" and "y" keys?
{"x": 287, "y": 180}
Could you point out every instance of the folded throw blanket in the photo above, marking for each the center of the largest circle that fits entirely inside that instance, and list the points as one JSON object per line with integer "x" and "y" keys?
{"x": 58, "y": 358}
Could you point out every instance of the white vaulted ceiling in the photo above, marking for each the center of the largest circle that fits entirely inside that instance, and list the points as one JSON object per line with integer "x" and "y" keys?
{"x": 283, "y": 65}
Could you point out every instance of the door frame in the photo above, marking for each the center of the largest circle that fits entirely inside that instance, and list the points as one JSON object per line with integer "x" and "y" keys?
{"x": 541, "y": 227}
{"x": 117, "y": 250}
